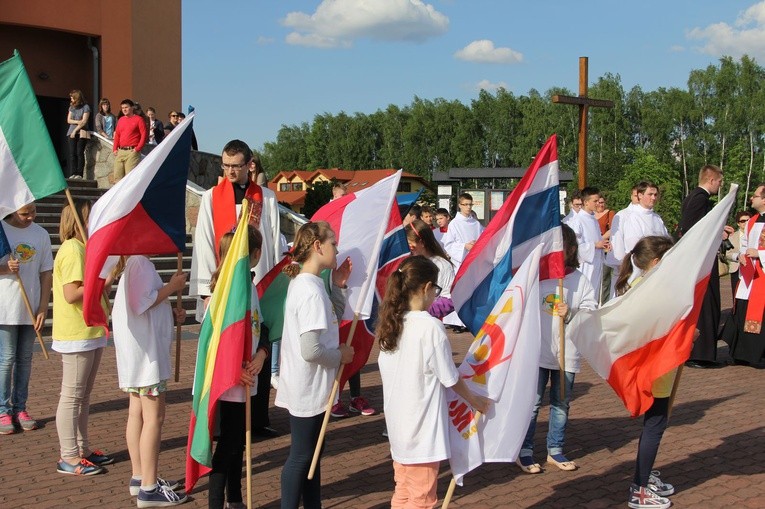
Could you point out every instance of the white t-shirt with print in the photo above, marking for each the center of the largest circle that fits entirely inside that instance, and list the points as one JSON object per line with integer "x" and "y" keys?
{"x": 31, "y": 247}
{"x": 304, "y": 387}
{"x": 415, "y": 377}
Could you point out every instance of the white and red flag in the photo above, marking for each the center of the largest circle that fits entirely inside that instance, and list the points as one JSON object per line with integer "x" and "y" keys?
{"x": 647, "y": 332}
{"x": 368, "y": 227}
{"x": 502, "y": 364}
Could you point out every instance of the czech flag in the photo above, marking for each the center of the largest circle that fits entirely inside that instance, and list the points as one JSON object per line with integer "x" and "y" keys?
{"x": 646, "y": 333}
{"x": 225, "y": 336}
{"x": 529, "y": 217}
{"x": 144, "y": 213}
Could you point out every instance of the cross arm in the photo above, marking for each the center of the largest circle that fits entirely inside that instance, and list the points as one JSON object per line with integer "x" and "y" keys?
{"x": 582, "y": 101}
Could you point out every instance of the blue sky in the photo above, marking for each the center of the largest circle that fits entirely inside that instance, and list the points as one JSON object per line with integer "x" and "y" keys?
{"x": 250, "y": 66}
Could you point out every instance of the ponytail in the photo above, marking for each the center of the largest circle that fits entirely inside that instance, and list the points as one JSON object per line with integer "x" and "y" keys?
{"x": 646, "y": 250}
{"x": 413, "y": 273}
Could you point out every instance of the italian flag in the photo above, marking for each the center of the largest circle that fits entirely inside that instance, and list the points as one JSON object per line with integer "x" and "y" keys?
{"x": 29, "y": 167}
{"x": 225, "y": 336}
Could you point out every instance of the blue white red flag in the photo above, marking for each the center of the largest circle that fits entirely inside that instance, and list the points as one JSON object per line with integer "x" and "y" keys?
{"x": 144, "y": 213}
{"x": 379, "y": 250}
{"x": 529, "y": 217}
{"x": 503, "y": 365}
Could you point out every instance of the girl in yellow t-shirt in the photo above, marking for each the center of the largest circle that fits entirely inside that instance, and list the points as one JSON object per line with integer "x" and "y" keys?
{"x": 648, "y": 491}
{"x": 80, "y": 347}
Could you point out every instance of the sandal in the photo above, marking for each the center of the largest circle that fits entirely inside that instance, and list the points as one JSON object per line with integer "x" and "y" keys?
{"x": 560, "y": 461}
{"x": 527, "y": 465}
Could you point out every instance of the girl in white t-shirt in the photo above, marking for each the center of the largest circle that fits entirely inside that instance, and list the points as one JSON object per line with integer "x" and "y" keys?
{"x": 142, "y": 319}
{"x": 416, "y": 367}
{"x": 226, "y": 473}
{"x": 311, "y": 353}
{"x": 30, "y": 263}
{"x": 423, "y": 242}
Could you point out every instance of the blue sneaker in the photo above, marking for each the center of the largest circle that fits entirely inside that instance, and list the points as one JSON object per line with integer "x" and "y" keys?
{"x": 99, "y": 458}
{"x": 135, "y": 485}
{"x": 84, "y": 467}
{"x": 162, "y": 496}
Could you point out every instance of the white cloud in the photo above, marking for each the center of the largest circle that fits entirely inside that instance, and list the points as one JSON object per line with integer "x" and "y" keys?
{"x": 263, "y": 40}
{"x": 745, "y": 36}
{"x": 489, "y": 86}
{"x": 483, "y": 51}
{"x": 677, "y": 48}
{"x": 337, "y": 23}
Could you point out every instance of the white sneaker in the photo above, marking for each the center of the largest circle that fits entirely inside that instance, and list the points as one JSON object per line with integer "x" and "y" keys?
{"x": 658, "y": 486}
{"x": 275, "y": 381}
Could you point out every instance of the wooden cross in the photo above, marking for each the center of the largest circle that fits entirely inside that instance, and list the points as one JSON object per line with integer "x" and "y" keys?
{"x": 584, "y": 103}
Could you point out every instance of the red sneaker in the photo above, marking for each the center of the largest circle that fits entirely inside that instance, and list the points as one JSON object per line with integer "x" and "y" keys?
{"x": 360, "y": 405}
{"x": 339, "y": 410}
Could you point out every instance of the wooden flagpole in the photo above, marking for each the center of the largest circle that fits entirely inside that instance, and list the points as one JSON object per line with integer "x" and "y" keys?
{"x": 562, "y": 350}
{"x": 31, "y": 314}
{"x": 248, "y": 443}
{"x": 453, "y": 482}
{"x": 178, "y": 305}
{"x": 672, "y": 394}
{"x": 330, "y": 401}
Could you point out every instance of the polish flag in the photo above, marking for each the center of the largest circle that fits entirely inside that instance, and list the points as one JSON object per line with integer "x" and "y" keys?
{"x": 647, "y": 332}
{"x": 359, "y": 222}
{"x": 144, "y": 213}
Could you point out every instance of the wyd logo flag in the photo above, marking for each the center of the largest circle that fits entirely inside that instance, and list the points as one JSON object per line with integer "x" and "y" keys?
{"x": 502, "y": 364}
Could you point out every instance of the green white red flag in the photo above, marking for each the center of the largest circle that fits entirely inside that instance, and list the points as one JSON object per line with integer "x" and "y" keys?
{"x": 29, "y": 167}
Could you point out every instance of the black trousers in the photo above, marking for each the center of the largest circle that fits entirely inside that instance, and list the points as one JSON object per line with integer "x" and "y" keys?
{"x": 226, "y": 475}
{"x": 654, "y": 424}
{"x": 76, "y": 156}
{"x": 295, "y": 484}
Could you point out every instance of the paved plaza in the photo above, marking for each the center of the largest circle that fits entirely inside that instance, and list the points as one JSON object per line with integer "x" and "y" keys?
{"x": 713, "y": 451}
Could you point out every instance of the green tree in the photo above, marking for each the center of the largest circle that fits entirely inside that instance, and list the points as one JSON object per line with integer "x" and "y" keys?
{"x": 316, "y": 197}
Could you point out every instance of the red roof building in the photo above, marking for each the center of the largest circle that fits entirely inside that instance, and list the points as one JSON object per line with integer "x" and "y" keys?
{"x": 291, "y": 186}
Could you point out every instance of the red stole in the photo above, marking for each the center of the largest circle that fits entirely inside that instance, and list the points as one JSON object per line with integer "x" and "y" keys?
{"x": 443, "y": 229}
{"x": 224, "y": 209}
{"x": 756, "y": 307}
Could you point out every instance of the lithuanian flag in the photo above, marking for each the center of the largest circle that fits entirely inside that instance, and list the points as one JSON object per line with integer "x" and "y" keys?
{"x": 225, "y": 341}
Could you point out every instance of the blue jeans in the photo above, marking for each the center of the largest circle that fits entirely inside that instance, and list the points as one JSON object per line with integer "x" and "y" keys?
{"x": 556, "y": 433}
{"x": 16, "y": 343}
{"x": 276, "y": 348}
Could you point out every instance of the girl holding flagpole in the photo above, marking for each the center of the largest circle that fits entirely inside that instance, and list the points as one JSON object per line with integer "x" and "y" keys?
{"x": 80, "y": 347}
{"x": 310, "y": 356}
{"x": 647, "y": 490}
{"x": 29, "y": 263}
{"x": 577, "y": 294}
{"x": 143, "y": 332}
{"x": 226, "y": 474}
{"x": 416, "y": 367}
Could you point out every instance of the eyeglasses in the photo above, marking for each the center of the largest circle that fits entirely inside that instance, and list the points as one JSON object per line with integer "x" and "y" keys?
{"x": 171, "y": 116}
{"x": 466, "y": 204}
{"x": 743, "y": 220}
{"x": 225, "y": 166}
{"x": 438, "y": 289}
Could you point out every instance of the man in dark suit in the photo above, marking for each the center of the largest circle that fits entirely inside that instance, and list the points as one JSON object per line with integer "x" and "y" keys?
{"x": 695, "y": 206}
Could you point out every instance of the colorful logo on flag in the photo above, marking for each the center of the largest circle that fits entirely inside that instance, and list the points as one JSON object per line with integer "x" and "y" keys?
{"x": 490, "y": 346}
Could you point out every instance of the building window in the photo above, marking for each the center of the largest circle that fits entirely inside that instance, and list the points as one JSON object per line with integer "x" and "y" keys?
{"x": 404, "y": 187}
{"x": 297, "y": 187}
{"x": 284, "y": 187}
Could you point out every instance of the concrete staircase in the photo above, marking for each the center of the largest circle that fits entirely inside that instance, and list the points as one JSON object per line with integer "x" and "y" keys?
{"x": 48, "y": 216}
